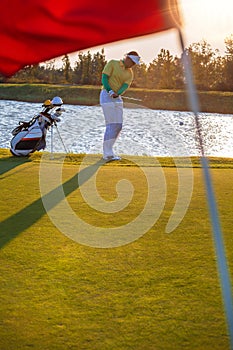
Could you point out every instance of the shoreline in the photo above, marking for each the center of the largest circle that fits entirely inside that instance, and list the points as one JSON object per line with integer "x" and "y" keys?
{"x": 177, "y": 100}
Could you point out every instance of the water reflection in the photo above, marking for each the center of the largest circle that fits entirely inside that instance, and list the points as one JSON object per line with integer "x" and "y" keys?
{"x": 145, "y": 131}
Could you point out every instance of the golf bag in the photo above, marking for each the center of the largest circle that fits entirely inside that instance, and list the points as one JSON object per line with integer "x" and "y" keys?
{"x": 29, "y": 137}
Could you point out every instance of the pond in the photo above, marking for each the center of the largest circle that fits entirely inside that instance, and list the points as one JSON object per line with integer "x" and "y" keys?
{"x": 145, "y": 131}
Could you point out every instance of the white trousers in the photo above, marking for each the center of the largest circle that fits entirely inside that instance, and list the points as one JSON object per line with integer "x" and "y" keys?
{"x": 113, "y": 114}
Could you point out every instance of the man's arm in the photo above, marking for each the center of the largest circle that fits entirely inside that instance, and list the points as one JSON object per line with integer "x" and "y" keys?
{"x": 122, "y": 89}
{"x": 105, "y": 82}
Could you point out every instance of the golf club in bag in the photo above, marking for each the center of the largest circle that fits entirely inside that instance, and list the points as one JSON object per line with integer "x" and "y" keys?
{"x": 29, "y": 137}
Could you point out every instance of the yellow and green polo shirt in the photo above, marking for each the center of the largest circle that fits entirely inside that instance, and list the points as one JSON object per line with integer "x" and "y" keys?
{"x": 118, "y": 74}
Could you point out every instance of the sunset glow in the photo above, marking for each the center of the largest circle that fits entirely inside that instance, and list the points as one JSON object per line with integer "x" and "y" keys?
{"x": 208, "y": 20}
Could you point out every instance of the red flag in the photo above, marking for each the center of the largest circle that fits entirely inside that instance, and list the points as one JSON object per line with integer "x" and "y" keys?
{"x": 33, "y": 31}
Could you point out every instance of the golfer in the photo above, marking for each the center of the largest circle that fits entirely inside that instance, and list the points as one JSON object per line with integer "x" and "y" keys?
{"x": 117, "y": 76}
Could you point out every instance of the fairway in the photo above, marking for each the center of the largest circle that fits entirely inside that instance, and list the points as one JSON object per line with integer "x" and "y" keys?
{"x": 158, "y": 292}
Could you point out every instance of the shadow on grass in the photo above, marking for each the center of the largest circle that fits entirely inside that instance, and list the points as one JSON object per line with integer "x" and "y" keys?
{"x": 9, "y": 163}
{"x": 22, "y": 220}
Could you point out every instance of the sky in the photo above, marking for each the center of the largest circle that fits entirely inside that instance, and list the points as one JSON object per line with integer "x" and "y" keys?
{"x": 209, "y": 20}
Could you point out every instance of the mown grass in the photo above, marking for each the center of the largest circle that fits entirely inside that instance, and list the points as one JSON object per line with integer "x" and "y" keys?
{"x": 83, "y": 95}
{"x": 160, "y": 292}
{"x": 210, "y": 101}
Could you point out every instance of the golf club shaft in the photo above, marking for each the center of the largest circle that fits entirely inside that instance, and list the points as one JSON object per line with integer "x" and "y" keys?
{"x": 131, "y": 98}
{"x": 51, "y": 151}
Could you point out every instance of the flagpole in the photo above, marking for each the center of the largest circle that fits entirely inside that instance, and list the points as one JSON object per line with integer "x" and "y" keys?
{"x": 213, "y": 210}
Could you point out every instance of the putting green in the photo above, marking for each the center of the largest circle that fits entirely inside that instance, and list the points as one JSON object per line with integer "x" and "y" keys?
{"x": 160, "y": 291}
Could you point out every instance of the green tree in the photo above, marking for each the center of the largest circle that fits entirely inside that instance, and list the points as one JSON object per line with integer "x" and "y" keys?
{"x": 66, "y": 67}
{"x": 29, "y": 74}
{"x": 98, "y": 63}
{"x": 203, "y": 64}
{"x": 50, "y": 71}
{"x": 162, "y": 71}
{"x": 178, "y": 73}
{"x": 87, "y": 69}
{"x": 152, "y": 76}
{"x": 82, "y": 68}
{"x": 78, "y": 68}
{"x": 140, "y": 76}
{"x": 228, "y": 64}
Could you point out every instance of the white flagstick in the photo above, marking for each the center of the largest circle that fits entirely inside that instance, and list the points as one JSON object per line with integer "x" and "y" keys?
{"x": 214, "y": 215}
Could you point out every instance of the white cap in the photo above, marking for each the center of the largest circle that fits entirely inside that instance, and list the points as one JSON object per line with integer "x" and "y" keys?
{"x": 134, "y": 58}
{"x": 57, "y": 101}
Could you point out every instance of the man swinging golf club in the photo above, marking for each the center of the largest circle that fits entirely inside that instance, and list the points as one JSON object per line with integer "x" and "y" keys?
{"x": 117, "y": 76}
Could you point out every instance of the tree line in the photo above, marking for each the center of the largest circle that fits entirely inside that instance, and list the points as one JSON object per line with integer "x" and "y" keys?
{"x": 211, "y": 70}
